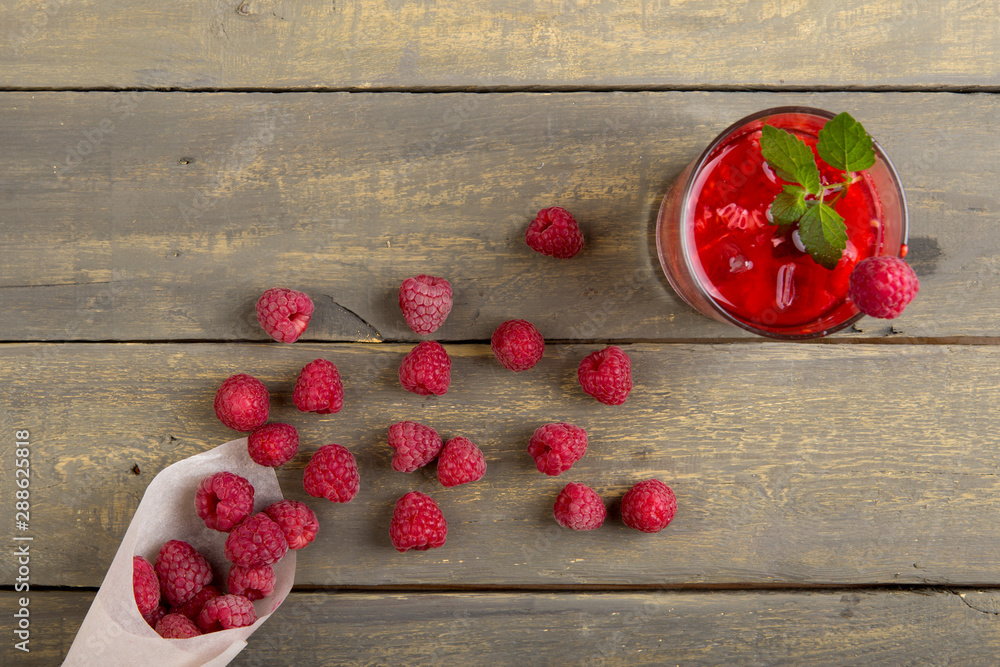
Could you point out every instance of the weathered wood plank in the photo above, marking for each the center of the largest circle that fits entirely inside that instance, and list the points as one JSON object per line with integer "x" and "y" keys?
{"x": 923, "y": 626}
{"x": 366, "y": 44}
{"x": 163, "y": 216}
{"x": 794, "y": 464}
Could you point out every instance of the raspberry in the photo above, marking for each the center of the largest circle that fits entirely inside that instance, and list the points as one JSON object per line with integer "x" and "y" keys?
{"x": 176, "y": 626}
{"x": 579, "y": 507}
{"x": 883, "y": 286}
{"x": 223, "y": 500}
{"x": 226, "y": 611}
{"x": 192, "y": 607}
{"x": 273, "y": 444}
{"x": 154, "y": 616}
{"x": 517, "y": 345}
{"x": 182, "y": 571}
{"x": 256, "y": 541}
{"x": 284, "y": 313}
{"x": 296, "y": 520}
{"x": 607, "y": 375}
{"x": 426, "y": 369}
{"x": 556, "y": 447}
{"x": 318, "y": 388}
{"x": 253, "y": 583}
{"x": 425, "y": 302}
{"x": 332, "y": 474}
{"x": 242, "y": 403}
{"x": 417, "y": 523}
{"x": 415, "y": 445}
{"x": 555, "y": 233}
{"x": 460, "y": 462}
{"x": 145, "y": 586}
{"x": 649, "y": 506}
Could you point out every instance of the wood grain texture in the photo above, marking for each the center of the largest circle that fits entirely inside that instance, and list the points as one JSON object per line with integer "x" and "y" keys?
{"x": 842, "y": 627}
{"x": 368, "y": 44}
{"x": 793, "y": 464}
{"x": 162, "y": 216}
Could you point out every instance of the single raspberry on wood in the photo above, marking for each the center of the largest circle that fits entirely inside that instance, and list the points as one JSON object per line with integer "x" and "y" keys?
{"x": 425, "y": 302}
{"x": 332, "y": 473}
{"x": 883, "y": 286}
{"x": 556, "y": 447}
{"x": 579, "y": 507}
{"x": 192, "y": 607}
{"x": 253, "y": 583}
{"x": 414, "y": 444}
{"x": 649, "y": 506}
{"x": 460, "y": 462}
{"x": 417, "y": 523}
{"x": 145, "y": 586}
{"x": 284, "y": 313}
{"x": 273, "y": 444}
{"x": 607, "y": 375}
{"x": 176, "y": 626}
{"x": 226, "y": 611}
{"x": 182, "y": 571}
{"x": 223, "y": 500}
{"x": 426, "y": 369}
{"x": 296, "y": 520}
{"x": 517, "y": 345}
{"x": 318, "y": 388}
{"x": 242, "y": 402}
{"x": 555, "y": 233}
{"x": 256, "y": 541}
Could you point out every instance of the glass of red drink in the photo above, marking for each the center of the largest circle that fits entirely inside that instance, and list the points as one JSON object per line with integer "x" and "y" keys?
{"x": 722, "y": 256}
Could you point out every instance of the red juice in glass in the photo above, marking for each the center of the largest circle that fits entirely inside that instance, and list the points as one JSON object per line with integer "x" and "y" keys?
{"x": 724, "y": 258}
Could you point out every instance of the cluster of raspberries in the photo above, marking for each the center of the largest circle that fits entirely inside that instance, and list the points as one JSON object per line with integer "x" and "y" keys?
{"x": 417, "y": 522}
{"x": 649, "y": 506}
{"x": 242, "y": 402}
{"x": 518, "y": 346}
{"x": 175, "y": 594}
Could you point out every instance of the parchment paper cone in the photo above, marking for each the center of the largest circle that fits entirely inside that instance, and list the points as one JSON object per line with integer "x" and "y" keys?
{"x": 113, "y": 633}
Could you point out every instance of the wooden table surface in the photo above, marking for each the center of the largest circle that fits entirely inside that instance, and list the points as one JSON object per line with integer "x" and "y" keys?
{"x": 164, "y": 163}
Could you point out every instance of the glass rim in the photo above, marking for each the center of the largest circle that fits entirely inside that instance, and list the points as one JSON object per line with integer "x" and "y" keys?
{"x": 686, "y": 202}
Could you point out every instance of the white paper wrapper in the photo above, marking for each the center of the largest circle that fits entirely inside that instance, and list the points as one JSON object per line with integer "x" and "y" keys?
{"x": 113, "y": 633}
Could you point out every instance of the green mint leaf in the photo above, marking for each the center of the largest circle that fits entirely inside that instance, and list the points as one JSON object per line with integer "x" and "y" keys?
{"x": 823, "y": 234}
{"x": 787, "y": 153}
{"x": 788, "y": 206}
{"x": 844, "y": 144}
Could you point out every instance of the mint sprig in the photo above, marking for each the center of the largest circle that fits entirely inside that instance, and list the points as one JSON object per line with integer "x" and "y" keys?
{"x": 823, "y": 234}
{"x": 844, "y": 145}
{"x": 789, "y": 155}
{"x": 789, "y": 206}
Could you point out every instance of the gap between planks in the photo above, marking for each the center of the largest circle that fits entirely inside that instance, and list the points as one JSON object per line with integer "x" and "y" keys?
{"x": 970, "y": 341}
{"x": 432, "y": 589}
{"x": 506, "y": 90}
